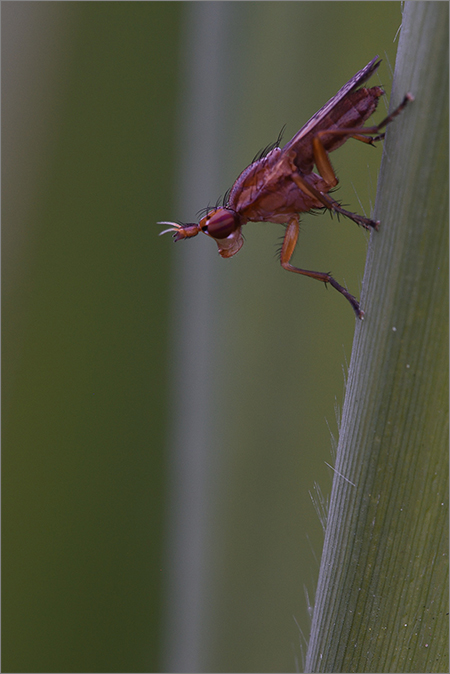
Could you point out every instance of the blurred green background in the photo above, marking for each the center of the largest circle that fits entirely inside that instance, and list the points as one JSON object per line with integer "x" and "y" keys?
{"x": 167, "y": 413}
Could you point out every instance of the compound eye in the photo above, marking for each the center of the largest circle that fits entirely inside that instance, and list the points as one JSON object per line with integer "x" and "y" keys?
{"x": 222, "y": 224}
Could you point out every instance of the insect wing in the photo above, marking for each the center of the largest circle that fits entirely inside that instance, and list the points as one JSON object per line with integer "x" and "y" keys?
{"x": 266, "y": 175}
{"x": 301, "y": 143}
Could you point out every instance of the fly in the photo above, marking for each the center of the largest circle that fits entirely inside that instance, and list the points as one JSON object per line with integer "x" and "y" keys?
{"x": 279, "y": 186}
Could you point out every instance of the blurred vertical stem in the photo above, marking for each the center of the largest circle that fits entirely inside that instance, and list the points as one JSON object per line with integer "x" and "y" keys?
{"x": 381, "y": 603}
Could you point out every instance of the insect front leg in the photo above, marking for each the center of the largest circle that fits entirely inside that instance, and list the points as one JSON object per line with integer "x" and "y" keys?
{"x": 287, "y": 250}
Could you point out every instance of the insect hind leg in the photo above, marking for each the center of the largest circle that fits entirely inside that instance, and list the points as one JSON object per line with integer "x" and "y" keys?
{"x": 370, "y": 135}
{"x": 364, "y": 133}
{"x": 408, "y": 98}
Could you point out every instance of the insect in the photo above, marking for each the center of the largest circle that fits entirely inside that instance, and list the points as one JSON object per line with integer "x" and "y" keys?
{"x": 280, "y": 185}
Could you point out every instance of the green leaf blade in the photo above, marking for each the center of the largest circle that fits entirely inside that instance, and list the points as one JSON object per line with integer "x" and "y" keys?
{"x": 381, "y": 603}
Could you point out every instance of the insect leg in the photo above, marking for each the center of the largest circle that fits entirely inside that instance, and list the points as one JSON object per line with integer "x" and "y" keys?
{"x": 407, "y": 99}
{"x": 329, "y": 202}
{"x": 287, "y": 249}
{"x": 363, "y": 133}
{"x": 322, "y": 161}
{"x": 373, "y": 139}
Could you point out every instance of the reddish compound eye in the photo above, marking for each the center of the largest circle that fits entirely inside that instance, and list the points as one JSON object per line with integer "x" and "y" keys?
{"x": 222, "y": 224}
